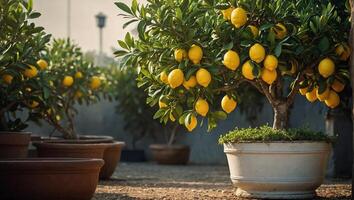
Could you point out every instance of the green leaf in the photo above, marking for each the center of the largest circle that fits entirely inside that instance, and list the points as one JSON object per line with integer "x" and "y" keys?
{"x": 123, "y": 7}
{"x": 228, "y": 46}
{"x": 34, "y": 15}
{"x": 134, "y": 6}
{"x": 324, "y": 44}
{"x": 220, "y": 115}
{"x": 278, "y": 48}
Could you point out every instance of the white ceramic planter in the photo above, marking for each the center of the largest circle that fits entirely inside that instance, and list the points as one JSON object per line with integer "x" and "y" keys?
{"x": 277, "y": 170}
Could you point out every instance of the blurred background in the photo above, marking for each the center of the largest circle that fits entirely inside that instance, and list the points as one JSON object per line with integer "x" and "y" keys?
{"x": 78, "y": 20}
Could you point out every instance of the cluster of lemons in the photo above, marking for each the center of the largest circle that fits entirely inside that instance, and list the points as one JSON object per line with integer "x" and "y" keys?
{"x": 29, "y": 73}
{"x": 257, "y": 54}
{"x": 67, "y": 81}
{"x": 202, "y": 77}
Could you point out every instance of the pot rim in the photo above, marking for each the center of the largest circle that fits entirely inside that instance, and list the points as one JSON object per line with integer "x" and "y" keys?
{"x": 279, "y": 142}
{"x": 15, "y": 133}
{"x": 57, "y": 164}
{"x": 71, "y": 145}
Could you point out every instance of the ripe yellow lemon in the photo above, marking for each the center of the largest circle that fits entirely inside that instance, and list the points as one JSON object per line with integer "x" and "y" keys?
{"x": 68, "y": 81}
{"x": 227, "y": 13}
{"x": 269, "y": 76}
{"x": 333, "y": 99}
{"x": 95, "y": 82}
{"x": 270, "y": 62}
{"x": 228, "y": 104}
{"x": 254, "y": 30}
{"x": 238, "y": 17}
{"x": 203, "y": 77}
{"x": 231, "y": 60}
{"x": 326, "y": 67}
{"x": 190, "y": 125}
{"x": 7, "y": 78}
{"x": 247, "y": 70}
{"x": 42, "y": 64}
{"x": 180, "y": 54}
{"x": 303, "y": 91}
{"x": 257, "y": 53}
{"x": 195, "y": 54}
{"x": 31, "y": 71}
{"x": 311, "y": 96}
{"x": 164, "y": 77}
{"x": 324, "y": 95}
{"x": 280, "y": 31}
{"x": 202, "y": 107}
{"x": 78, "y": 75}
{"x": 190, "y": 83}
{"x": 343, "y": 51}
{"x": 175, "y": 78}
{"x": 337, "y": 86}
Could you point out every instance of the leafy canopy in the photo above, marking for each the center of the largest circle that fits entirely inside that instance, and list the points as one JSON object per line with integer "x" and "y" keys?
{"x": 298, "y": 34}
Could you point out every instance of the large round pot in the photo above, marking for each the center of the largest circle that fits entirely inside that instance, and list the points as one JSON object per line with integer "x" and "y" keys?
{"x": 111, "y": 159}
{"x": 170, "y": 154}
{"x": 277, "y": 170}
{"x": 44, "y": 179}
{"x": 14, "y": 144}
{"x": 86, "y": 147}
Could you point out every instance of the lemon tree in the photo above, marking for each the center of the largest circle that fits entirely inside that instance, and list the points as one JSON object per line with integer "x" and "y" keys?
{"x": 281, "y": 48}
{"x": 22, "y": 81}
{"x": 73, "y": 80}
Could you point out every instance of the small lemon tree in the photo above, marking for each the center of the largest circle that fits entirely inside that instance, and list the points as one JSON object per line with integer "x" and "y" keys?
{"x": 22, "y": 83}
{"x": 190, "y": 52}
{"x": 73, "y": 80}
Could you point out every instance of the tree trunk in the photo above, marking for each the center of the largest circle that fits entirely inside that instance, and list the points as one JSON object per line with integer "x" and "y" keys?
{"x": 351, "y": 44}
{"x": 281, "y": 115}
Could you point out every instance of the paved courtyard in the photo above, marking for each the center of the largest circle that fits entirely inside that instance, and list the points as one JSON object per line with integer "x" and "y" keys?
{"x": 152, "y": 181}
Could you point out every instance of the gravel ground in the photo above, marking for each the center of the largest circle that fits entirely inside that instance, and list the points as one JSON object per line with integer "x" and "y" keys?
{"x": 152, "y": 181}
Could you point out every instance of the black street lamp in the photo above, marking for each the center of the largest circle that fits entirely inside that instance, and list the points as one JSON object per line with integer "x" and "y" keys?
{"x": 101, "y": 23}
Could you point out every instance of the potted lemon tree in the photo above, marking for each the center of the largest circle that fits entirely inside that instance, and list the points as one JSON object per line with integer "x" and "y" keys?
{"x": 24, "y": 90}
{"x": 75, "y": 80}
{"x": 139, "y": 122}
{"x": 21, "y": 86}
{"x": 192, "y": 52}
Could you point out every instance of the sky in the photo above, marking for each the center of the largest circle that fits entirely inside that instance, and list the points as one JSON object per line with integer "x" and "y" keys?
{"x": 84, "y": 30}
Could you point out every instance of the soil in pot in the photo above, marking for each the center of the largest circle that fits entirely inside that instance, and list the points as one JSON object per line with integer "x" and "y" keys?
{"x": 170, "y": 154}
{"x": 14, "y": 144}
{"x": 49, "y": 179}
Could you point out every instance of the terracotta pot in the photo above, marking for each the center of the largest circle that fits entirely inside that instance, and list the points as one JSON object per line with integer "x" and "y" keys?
{"x": 70, "y": 150}
{"x": 44, "y": 179}
{"x": 90, "y": 147}
{"x": 170, "y": 154}
{"x": 14, "y": 144}
{"x": 111, "y": 159}
{"x": 277, "y": 170}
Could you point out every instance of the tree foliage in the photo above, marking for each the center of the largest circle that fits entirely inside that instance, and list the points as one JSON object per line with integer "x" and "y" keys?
{"x": 22, "y": 43}
{"x": 308, "y": 40}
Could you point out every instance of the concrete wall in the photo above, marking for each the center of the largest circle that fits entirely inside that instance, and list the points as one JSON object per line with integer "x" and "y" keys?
{"x": 101, "y": 119}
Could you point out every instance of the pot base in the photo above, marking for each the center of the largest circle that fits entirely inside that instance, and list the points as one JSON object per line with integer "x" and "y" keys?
{"x": 275, "y": 195}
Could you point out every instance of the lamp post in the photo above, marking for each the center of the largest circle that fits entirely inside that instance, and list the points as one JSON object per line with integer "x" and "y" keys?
{"x": 101, "y": 22}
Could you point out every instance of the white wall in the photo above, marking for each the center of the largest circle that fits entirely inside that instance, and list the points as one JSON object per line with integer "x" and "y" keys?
{"x": 83, "y": 23}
